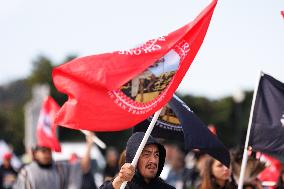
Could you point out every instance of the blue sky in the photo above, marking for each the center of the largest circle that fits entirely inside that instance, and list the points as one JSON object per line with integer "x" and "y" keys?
{"x": 243, "y": 37}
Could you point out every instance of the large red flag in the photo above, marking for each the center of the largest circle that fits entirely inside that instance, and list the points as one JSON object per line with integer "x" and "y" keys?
{"x": 115, "y": 91}
{"x": 46, "y": 129}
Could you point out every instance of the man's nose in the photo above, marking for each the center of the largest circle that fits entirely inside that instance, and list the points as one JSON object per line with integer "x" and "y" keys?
{"x": 154, "y": 158}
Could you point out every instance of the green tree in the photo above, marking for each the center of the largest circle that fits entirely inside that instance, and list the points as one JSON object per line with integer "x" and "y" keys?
{"x": 13, "y": 96}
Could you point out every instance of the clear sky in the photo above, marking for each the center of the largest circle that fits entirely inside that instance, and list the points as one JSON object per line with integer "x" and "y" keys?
{"x": 244, "y": 36}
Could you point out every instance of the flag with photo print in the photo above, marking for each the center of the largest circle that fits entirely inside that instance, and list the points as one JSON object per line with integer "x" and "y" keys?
{"x": 115, "y": 91}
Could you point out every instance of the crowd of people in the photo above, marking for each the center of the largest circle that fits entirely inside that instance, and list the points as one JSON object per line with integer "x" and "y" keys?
{"x": 160, "y": 165}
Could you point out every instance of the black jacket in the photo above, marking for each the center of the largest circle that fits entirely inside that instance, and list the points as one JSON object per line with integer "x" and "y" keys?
{"x": 138, "y": 182}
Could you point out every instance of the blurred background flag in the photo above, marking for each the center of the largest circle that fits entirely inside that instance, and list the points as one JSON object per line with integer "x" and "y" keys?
{"x": 115, "y": 91}
{"x": 267, "y": 129}
{"x": 46, "y": 129}
{"x": 270, "y": 175}
{"x": 282, "y": 13}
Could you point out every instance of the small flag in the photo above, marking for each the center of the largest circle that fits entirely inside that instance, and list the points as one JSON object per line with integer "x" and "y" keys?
{"x": 46, "y": 129}
{"x": 272, "y": 170}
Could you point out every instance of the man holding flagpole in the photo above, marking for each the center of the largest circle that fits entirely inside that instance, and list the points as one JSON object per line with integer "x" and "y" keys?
{"x": 150, "y": 165}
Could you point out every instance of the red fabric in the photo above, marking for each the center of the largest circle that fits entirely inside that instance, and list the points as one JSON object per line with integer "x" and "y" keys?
{"x": 93, "y": 83}
{"x": 46, "y": 129}
{"x": 272, "y": 171}
{"x": 212, "y": 128}
{"x": 282, "y": 12}
{"x": 7, "y": 156}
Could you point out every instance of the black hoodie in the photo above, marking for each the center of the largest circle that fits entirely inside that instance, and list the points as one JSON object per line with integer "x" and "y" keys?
{"x": 138, "y": 182}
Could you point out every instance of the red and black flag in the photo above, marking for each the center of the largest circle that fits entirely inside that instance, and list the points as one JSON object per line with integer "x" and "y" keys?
{"x": 115, "y": 91}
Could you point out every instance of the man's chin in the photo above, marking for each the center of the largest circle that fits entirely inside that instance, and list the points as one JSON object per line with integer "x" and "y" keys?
{"x": 151, "y": 174}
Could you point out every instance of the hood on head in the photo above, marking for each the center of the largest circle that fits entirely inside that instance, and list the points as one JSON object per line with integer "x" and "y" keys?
{"x": 133, "y": 144}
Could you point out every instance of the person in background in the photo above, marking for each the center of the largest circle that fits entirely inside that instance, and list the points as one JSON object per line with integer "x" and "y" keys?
{"x": 8, "y": 174}
{"x": 170, "y": 149}
{"x": 148, "y": 169}
{"x": 180, "y": 176}
{"x": 216, "y": 176}
{"x": 111, "y": 168}
{"x": 44, "y": 173}
{"x": 88, "y": 181}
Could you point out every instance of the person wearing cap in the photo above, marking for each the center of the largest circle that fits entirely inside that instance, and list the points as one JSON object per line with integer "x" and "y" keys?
{"x": 8, "y": 174}
{"x": 44, "y": 173}
{"x": 148, "y": 169}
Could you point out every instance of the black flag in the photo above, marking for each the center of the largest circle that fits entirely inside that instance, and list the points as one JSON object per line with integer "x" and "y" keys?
{"x": 267, "y": 129}
{"x": 195, "y": 134}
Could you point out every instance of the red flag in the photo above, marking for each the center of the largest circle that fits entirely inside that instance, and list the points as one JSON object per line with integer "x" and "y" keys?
{"x": 272, "y": 171}
{"x": 115, "y": 91}
{"x": 282, "y": 12}
{"x": 46, "y": 129}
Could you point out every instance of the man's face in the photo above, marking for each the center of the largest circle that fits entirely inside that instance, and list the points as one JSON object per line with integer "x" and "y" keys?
{"x": 6, "y": 162}
{"x": 43, "y": 155}
{"x": 148, "y": 162}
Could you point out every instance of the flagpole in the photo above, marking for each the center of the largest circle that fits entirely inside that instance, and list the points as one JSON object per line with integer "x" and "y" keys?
{"x": 143, "y": 142}
{"x": 96, "y": 140}
{"x": 245, "y": 154}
